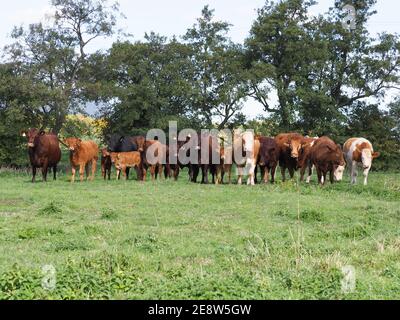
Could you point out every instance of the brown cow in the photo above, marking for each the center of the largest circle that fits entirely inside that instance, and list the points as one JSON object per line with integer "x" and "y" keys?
{"x": 289, "y": 145}
{"x": 326, "y": 156}
{"x": 268, "y": 158}
{"x": 105, "y": 163}
{"x": 44, "y": 152}
{"x": 225, "y": 167}
{"x": 304, "y": 160}
{"x": 124, "y": 160}
{"x": 153, "y": 157}
{"x": 82, "y": 153}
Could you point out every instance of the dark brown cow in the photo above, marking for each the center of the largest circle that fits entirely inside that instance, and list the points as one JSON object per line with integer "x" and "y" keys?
{"x": 105, "y": 163}
{"x": 326, "y": 156}
{"x": 268, "y": 158}
{"x": 44, "y": 152}
{"x": 82, "y": 154}
{"x": 289, "y": 145}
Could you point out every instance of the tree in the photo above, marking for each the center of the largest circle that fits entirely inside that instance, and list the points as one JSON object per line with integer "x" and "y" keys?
{"x": 145, "y": 84}
{"x": 219, "y": 78}
{"x": 55, "y": 56}
{"x": 317, "y": 68}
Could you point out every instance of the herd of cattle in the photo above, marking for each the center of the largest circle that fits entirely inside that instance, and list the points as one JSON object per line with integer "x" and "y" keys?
{"x": 291, "y": 151}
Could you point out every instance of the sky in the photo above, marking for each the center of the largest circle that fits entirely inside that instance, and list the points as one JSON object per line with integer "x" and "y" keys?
{"x": 173, "y": 17}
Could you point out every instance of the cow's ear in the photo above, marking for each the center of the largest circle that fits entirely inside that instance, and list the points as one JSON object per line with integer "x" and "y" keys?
{"x": 376, "y": 155}
{"x": 286, "y": 144}
{"x": 23, "y": 134}
{"x": 121, "y": 139}
{"x": 42, "y": 132}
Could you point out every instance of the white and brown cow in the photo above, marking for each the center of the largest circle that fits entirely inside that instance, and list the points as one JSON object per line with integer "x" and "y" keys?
{"x": 359, "y": 152}
{"x": 246, "y": 149}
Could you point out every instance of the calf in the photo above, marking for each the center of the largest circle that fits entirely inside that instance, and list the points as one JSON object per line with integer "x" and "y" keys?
{"x": 122, "y": 143}
{"x": 359, "y": 151}
{"x": 82, "y": 154}
{"x": 44, "y": 152}
{"x": 105, "y": 163}
{"x": 268, "y": 158}
{"x": 327, "y": 156}
{"x": 124, "y": 160}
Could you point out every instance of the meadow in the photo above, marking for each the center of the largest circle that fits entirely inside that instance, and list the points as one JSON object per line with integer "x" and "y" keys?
{"x": 177, "y": 240}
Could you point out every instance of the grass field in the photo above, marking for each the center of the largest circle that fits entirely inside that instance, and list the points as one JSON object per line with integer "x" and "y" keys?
{"x": 176, "y": 240}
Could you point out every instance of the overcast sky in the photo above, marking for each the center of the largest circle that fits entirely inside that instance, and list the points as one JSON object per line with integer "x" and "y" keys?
{"x": 173, "y": 17}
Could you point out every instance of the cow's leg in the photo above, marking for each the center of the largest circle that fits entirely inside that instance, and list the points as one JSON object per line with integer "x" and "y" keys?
{"x": 33, "y": 174}
{"x": 73, "y": 171}
{"x": 319, "y": 174}
{"x": 365, "y": 173}
{"x": 283, "y": 170}
{"x": 124, "y": 169}
{"x": 255, "y": 174}
{"x": 323, "y": 179}
{"x": 265, "y": 176}
{"x": 291, "y": 172}
{"x": 94, "y": 166}
{"x": 195, "y": 173}
{"x": 250, "y": 180}
{"x": 310, "y": 170}
{"x": 87, "y": 171}
{"x": 44, "y": 170}
{"x": 152, "y": 172}
{"x": 176, "y": 173}
{"x": 240, "y": 174}
{"x": 81, "y": 171}
{"x": 331, "y": 176}
{"x": 127, "y": 173}
{"x": 273, "y": 171}
{"x": 144, "y": 174}
{"x": 160, "y": 171}
{"x": 354, "y": 172}
{"x": 55, "y": 172}
{"x": 230, "y": 174}
{"x": 302, "y": 172}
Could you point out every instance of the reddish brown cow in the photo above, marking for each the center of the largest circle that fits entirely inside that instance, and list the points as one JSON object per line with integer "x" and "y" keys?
{"x": 326, "y": 156}
{"x": 158, "y": 153}
{"x": 289, "y": 145}
{"x": 105, "y": 163}
{"x": 304, "y": 160}
{"x": 44, "y": 152}
{"x": 124, "y": 160}
{"x": 82, "y": 154}
{"x": 268, "y": 158}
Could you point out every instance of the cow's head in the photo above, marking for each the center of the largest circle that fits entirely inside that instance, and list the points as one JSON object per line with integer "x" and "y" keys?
{"x": 338, "y": 173}
{"x": 73, "y": 144}
{"x": 367, "y": 156}
{"x": 268, "y": 156}
{"x": 295, "y": 146}
{"x": 248, "y": 141}
{"x": 140, "y": 143}
{"x": 113, "y": 156}
{"x": 115, "y": 141}
{"x": 31, "y": 135}
{"x": 105, "y": 153}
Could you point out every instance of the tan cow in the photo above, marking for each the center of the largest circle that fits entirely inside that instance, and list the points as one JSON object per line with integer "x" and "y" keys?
{"x": 82, "y": 154}
{"x": 124, "y": 160}
{"x": 359, "y": 152}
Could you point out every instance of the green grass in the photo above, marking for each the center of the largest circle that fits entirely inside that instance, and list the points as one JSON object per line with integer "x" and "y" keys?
{"x": 176, "y": 240}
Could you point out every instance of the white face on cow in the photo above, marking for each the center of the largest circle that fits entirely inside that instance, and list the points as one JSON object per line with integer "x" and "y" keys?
{"x": 366, "y": 158}
{"x": 338, "y": 174}
{"x": 248, "y": 141}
